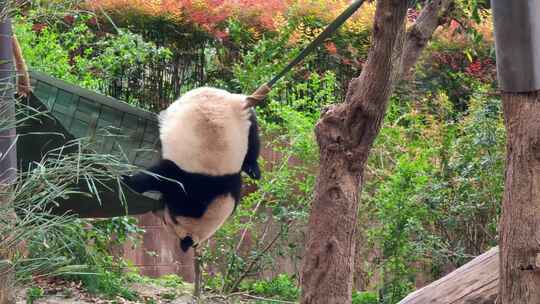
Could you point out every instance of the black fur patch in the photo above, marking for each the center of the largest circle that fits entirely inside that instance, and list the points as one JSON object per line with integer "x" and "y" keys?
{"x": 185, "y": 243}
{"x": 250, "y": 165}
{"x": 198, "y": 191}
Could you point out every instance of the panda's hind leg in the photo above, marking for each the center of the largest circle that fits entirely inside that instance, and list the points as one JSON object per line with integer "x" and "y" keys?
{"x": 250, "y": 165}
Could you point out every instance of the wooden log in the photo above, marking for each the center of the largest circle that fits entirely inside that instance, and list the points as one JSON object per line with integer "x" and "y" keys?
{"x": 475, "y": 282}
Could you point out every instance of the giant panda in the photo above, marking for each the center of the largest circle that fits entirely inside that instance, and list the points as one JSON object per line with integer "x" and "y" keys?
{"x": 208, "y": 136}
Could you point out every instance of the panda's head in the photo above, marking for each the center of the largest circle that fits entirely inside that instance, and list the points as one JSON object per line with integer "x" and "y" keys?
{"x": 209, "y": 131}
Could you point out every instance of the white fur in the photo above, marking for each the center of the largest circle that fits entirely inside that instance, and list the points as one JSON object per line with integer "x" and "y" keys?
{"x": 206, "y": 131}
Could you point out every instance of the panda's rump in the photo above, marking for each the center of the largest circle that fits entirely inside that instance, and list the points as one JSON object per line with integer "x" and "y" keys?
{"x": 206, "y": 132}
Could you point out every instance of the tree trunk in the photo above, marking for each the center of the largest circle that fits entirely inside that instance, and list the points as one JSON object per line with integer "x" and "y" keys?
{"x": 8, "y": 161}
{"x": 520, "y": 221}
{"x": 345, "y": 135}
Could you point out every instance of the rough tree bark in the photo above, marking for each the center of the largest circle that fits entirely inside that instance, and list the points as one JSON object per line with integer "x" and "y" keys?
{"x": 345, "y": 134}
{"x": 419, "y": 34}
{"x": 520, "y": 221}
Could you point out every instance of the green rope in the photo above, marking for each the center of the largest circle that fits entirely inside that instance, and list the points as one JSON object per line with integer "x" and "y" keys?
{"x": 328, "y": 31}
{"x": 260, "y": 94}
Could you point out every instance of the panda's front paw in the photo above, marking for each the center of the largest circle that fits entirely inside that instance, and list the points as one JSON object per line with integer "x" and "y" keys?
{"x": 130, "y": 182}
{"x": 252, "y": 171}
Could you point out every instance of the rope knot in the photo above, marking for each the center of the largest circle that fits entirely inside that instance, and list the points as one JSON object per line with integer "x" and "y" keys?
{"x": 258, "y": 96}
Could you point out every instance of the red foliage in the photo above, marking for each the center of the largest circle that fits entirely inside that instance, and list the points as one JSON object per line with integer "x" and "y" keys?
{"x": 69, "y": 19}
{"x": 259, "y": 12}
{"x": 450, "y": 60}
{"x": 481, "y": 69}
{"x": 38, "y": 27}
{"x": 412, "y": 15}
{"x": 209, "y": 15}
{"x": 92, "y": 21}
{"x": 331, "y": 48}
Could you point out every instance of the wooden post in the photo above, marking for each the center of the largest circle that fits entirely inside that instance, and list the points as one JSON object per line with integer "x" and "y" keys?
{"x": 8, "y": 161}
{"x": 197, "y": 290}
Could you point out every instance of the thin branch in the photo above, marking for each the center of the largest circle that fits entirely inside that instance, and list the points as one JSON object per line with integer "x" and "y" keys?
{"x": 431, "y": 17}
{"x": 257, "y": 258}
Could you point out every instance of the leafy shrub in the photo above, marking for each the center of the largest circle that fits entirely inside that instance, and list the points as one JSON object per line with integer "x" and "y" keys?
{"x": 102, "y": 273}
{"x": 364, "y": 297}
{"x": 74, "y": 248}
{"x": 33, "y": 294}
{"x": 281, "y": 287}
{"x": 434, "y": 194}
{"x": 80, "y": 55}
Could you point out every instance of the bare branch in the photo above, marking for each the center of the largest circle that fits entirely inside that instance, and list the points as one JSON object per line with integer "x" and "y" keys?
{"x": 432, "y": 16}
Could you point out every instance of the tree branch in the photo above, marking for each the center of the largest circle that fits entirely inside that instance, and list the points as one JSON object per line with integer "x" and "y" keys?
{"x": 432, "y": 16}
{"x": 23, "y": 79}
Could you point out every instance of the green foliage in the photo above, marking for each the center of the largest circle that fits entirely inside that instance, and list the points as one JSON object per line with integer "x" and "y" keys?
{"x": 45, "y": 53}
{"x": 169, "y": 281}
{"x": 403, "y": 218}
{"x": 100, "y": 272}
{"x": 364, "y": 297}
{"x": 74, "y": 248}
{"x": 77, "y": 54}
{"x": 264, "y": 60}
{"x": 107, "y": 278}
{"x": 282, "y": 287}
{"x": 33, "y": 294}
{"x": 434, "y": 197}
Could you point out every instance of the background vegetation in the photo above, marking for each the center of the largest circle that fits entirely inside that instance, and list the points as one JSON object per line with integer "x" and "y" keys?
{"x": 434, "y": 181}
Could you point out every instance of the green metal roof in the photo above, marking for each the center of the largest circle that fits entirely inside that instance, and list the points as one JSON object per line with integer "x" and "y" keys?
{"x": 76, "y": 112}
{"x": 84, "y": 113}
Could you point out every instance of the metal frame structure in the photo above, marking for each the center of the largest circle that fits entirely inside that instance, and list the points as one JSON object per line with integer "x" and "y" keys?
{"x": 517, "y": 40}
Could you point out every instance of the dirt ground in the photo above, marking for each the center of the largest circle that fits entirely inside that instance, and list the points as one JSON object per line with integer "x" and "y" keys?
{"x": 64, "y": 292}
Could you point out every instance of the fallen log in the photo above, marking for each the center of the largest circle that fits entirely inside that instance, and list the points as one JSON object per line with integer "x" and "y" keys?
{"x": 475, "y": 282}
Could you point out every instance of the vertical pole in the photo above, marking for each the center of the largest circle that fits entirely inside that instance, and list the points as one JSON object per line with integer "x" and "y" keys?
{"x": 517, "y": 39}
{"x": 8, "y": 155}
{"x": 197, "y": 290}
{"x": 8, "y": 161}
